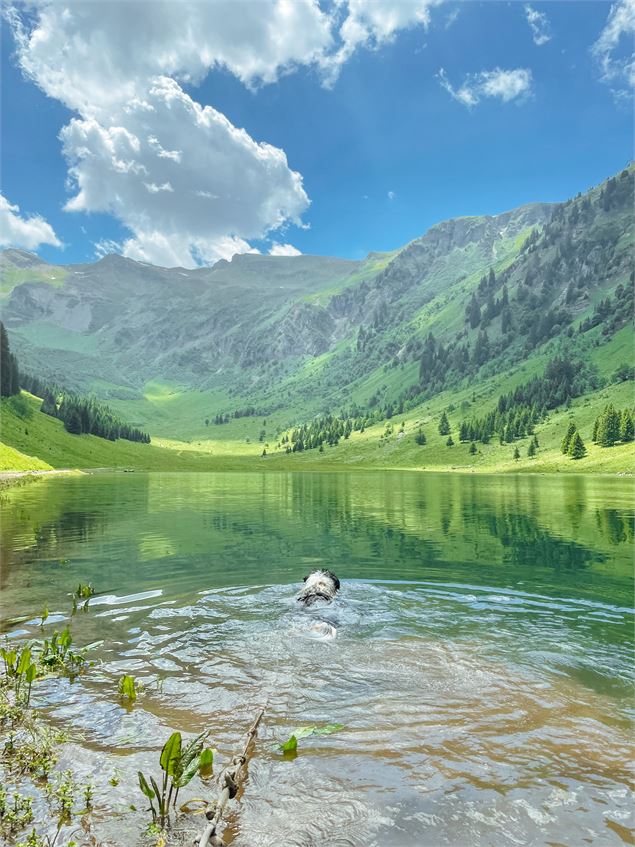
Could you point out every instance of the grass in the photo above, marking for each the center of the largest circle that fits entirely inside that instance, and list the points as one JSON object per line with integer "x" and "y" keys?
{"x": 12, "y": 459}
{"x": 11, "y": 277}
{"x": 33, "y": 441}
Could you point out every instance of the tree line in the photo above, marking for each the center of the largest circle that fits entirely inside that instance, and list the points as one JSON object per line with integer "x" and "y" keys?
{"x": 81, "y": 415}
{"x": 78, "y": 414}
{"x": 518, "y": 411}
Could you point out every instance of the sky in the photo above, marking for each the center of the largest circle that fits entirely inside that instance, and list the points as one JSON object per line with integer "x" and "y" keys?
{"x": 179, "y": 133}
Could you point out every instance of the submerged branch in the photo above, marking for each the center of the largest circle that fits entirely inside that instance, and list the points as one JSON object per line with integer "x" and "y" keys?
{"x": 228, "y": 783}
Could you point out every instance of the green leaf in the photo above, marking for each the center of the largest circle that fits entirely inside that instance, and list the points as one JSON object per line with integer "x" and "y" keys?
{"x": 157, "y": 792}
{"x": 206, "y": 759}
{"x": 306, "y": 731}
{"x": 290, "y": 746}
{"x": 25, "y": 660}
{"x": 127, "y": 688}
{"x": 31, "y": 673}
{"x": 66, "y": 639}
{"x": 143, "y": 785}
{"x": 9, "y": 657}
{"x": 188, "y": 773}
{"x": 192, "y": 749}
{"x": 171, "y": 753}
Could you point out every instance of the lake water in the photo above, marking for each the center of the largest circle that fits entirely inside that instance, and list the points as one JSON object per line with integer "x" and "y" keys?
{"x": 482, "y": 669}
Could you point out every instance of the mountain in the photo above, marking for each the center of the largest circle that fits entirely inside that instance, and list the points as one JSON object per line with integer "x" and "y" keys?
{"x": 294, "y": 336}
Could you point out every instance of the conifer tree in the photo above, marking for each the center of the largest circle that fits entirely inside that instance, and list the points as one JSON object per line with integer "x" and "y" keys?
{"x": 577, "y": 450}
{"x": 516, "y": 453}
{"x": 608, "y": 431}
{"x": 566, "y": 441}
{"x": 531, "y": 450}
{"x": 472, "y": 448}
{"x": 450, "y": 441}
{"x": 9, "y": 376}
{"x": 627, "y": 426}
{"x": 444, "y": 425}
{"x": 420, "y": 437}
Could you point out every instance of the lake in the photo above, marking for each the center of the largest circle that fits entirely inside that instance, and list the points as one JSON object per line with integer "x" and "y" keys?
{"x": 482, "y": 670}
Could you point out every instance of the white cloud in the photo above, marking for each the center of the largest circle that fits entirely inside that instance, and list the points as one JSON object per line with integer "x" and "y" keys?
{"x": 184, "y": 252}
{"x": 17, "y": 231}
{"x": 106, "y": 246}
{"x": 225, "y": 189}
{"x": 187, "y": 184}
{"x": 618, "y": 70}
{"x": 91, "y": 55}
{"x": 284, "y": 250}
{"x": 372, "y": 23}
{"x": 539, "y": 25}
{"x": 506, "y": 85}
{"x": 391, "y": 195}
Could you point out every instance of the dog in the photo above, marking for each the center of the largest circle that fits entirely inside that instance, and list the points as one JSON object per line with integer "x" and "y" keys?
{"x": 318, "y": 585}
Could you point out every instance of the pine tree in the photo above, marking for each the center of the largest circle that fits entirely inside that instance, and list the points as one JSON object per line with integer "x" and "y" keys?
{"x": 73, "y": 423}
{"x": 450, "y": 441}
{"x": 516, "y": 454}
{"x": 420, "y": 437}
{"x": 531, "y": 450}
{"x": 627, "y": 426}
{"x": 474, "y": 312}
{"x": 444, "y": 425}
{"x": 577, "y": 450}
{"x": 472, "y": 448}
{"x": 9, "y": 376}
{"x": 608, "y": 431}
{"x": 566, "y": 441}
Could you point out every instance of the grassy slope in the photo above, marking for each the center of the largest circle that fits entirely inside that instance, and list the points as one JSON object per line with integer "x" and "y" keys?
{"x": 35, "y": 434}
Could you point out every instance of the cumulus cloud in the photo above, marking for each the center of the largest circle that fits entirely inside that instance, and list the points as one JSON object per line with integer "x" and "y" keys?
{"x": 187, "y": 184}
{"x": 505, "y": 85}
{"x": 391, "y": 195}
{"x": 224, "y": 189}
{"x": 90, "y": 56}
{"x": 613, "y": 51}
{"x": 284, "y": 250}
{"x": 26, "y": 232}
{"x": 539, "y": 25}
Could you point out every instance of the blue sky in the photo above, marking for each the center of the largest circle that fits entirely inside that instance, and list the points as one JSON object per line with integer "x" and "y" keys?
{"x": 386, "y": 145}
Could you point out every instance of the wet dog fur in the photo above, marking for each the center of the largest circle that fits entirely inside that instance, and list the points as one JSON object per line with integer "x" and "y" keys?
{"x": 319, "y": 585}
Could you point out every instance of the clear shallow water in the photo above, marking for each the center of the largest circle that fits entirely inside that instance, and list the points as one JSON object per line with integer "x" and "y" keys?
{"x": 482, "y": 667}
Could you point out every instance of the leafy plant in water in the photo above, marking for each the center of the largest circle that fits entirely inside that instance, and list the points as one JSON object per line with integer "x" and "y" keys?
{"x": 291, "y": 745}
{"x": 15, "y": 813}
{"x": 179, "y": 765}
{"x": 57, "y": 654}
{"x": 84, "y": 591}
{"x": 128, "y": 687}
{"x": 19, "y": 672}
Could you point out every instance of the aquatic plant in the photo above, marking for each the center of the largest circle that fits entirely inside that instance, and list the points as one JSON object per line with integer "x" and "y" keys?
{"x": 291, "y": 744}
{"x": 19, "y": 673}
{"x": 15, "y": 812}
{"x": 128, "y": 687}
{"x": 58, "y": 655}
{"x": 179, "y": 765}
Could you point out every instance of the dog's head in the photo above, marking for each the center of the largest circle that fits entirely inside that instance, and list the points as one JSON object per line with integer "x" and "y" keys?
{"x": 319, "y": 585}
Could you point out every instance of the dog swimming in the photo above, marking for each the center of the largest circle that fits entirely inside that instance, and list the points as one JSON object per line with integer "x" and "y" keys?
{"x": 320, "y": 587}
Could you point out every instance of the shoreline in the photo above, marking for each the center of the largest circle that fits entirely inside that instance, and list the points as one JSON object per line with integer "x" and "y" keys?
{"x": 9, "y": 479}
{"x": 13, "y": 478}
